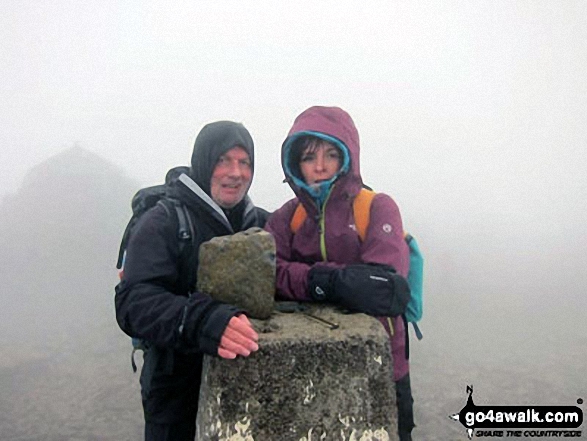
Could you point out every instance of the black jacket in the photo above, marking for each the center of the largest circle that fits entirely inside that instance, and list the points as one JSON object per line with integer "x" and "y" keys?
{"x": 156, "y": 300}
{"x": 149, "y": 300}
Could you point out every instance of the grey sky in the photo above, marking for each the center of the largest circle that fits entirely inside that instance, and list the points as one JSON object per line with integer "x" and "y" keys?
{"x": 471, "y": 113}
{"x": 442, "y": 92}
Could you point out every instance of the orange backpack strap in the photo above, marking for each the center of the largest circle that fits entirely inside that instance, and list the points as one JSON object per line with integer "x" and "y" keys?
{"x": 298, "y": 218}
{"x": 362, "y": 211}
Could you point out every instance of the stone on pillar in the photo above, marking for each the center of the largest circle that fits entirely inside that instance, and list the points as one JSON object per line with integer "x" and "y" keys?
{"x": 306, "y": 382}
{"x": 240, "y": 270}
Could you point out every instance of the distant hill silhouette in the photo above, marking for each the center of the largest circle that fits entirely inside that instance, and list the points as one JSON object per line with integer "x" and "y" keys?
{"x": 59, "y": 237}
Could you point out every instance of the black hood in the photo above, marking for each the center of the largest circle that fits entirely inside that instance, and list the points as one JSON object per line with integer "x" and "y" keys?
{"x": 213, "y": 141}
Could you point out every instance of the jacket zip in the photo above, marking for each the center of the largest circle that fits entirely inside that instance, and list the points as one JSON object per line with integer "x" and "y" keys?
{"x": 322, "y": 226}
{"x": 184, "y": 315}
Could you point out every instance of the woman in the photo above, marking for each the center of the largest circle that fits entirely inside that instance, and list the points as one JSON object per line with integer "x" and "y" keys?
{"x": 320, "y": 158}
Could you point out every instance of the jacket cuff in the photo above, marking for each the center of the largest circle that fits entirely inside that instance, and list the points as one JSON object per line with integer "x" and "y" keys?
{"x": 213, "y": 326}
{"x": 203, "y": 331}
{"x": 320, "y": 283}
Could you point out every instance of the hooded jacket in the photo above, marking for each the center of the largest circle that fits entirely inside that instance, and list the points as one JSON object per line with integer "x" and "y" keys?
{"x": 328, "y": 235}
{"x": 152, "y": 302}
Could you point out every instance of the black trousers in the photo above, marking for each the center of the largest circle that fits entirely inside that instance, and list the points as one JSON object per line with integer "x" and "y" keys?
{"x": 170, "y": 386}
{"x": 181, "y": 431}
{"x": 405, "y": 408}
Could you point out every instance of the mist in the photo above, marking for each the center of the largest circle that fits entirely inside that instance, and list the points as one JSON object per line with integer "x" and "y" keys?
{"x": 471, "y": 116}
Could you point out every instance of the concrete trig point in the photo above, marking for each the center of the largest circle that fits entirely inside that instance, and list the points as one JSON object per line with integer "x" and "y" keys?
{"x": 307, "y": 382}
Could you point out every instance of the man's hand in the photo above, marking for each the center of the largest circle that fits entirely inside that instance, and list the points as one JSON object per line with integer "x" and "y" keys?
{"x": 239, "y": 338}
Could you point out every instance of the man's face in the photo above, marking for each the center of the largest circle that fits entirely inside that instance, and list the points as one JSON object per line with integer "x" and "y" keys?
{"x": 231, "y": 177}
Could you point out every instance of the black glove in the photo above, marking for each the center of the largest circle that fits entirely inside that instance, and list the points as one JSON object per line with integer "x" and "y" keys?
{"x": 373, "y": 289}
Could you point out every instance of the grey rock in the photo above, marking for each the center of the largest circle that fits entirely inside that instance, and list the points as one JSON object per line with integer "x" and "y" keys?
{"x": 240, "y": 270}
{"x": 305, "y": 382}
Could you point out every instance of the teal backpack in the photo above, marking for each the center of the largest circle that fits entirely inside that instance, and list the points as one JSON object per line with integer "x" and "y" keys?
{"x": 361, "y": 212}
{"x": 414, "y": 309}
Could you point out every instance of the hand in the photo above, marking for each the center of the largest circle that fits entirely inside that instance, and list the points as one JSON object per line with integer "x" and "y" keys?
{"x": 373, "y": 289}
{"x": 239, "y": 338}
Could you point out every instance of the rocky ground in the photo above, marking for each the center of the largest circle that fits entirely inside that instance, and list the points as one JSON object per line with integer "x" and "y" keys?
{"x": 86, "y": 391}
{"x": 82, "y": 392}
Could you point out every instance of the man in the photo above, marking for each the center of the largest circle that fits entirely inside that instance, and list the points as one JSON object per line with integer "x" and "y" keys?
{"x": 156, "y": 299}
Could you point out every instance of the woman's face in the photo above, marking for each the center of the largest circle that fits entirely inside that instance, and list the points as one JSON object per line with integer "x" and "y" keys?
{"x": 320, "y": 161}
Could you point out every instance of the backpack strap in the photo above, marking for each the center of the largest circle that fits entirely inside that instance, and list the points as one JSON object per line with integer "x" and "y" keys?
{"x": 186, "y": 237}
{"x": 298, "y": 218}
{"x": 124, "y": 242}
{"x": 361, "y": 213}
{"x": 184, "y": 230}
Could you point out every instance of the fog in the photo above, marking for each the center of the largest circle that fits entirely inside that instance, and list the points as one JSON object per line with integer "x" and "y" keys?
{"x": 471, "y": 116}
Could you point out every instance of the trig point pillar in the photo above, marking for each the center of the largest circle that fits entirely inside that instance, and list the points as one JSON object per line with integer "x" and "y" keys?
{"x": 306, "y": 382}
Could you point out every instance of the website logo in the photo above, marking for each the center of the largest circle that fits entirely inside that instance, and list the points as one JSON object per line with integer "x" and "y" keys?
{"x": 519, "y": 421}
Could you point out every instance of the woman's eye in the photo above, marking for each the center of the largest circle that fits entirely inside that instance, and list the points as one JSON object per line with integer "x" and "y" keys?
{"x": 308, "y": 158}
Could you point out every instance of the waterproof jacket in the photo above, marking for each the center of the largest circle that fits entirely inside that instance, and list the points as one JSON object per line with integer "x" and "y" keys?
{"x": 151, "y": 303}
{"x": 328, "y": 236}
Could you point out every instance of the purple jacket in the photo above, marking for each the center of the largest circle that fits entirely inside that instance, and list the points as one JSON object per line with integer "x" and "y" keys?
{"x": 339, "y": 240}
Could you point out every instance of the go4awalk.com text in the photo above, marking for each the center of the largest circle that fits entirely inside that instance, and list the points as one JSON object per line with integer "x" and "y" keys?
{"x": 520, "y": 421}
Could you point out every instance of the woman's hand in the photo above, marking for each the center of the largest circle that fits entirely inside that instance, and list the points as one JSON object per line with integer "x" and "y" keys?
{"x": 372, "y": 289}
